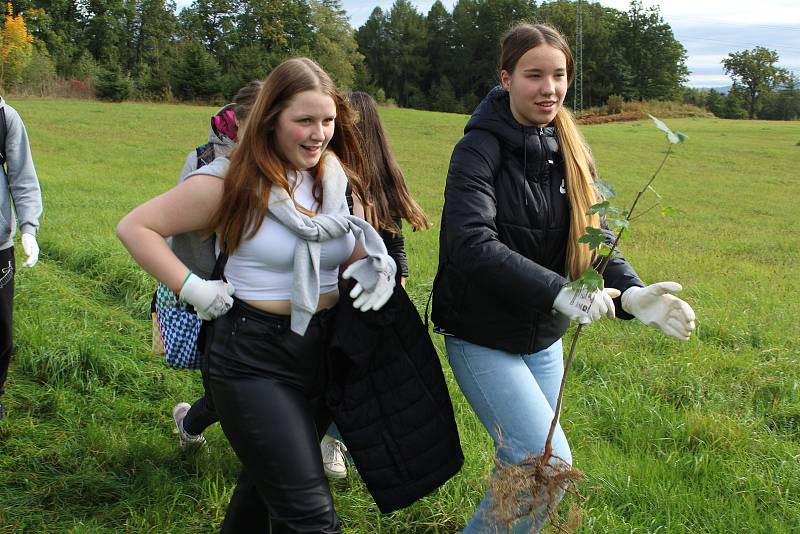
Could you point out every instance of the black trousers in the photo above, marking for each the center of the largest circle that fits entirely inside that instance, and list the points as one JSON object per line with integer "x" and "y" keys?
{"x": 202, "y": 414}
{"x": 7, "y": 267}
{"x": 268, "y": 385}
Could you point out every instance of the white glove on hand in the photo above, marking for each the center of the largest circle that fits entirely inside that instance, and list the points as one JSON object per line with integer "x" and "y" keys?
{"x": 31, "y": 248}
{"x": 210, "y": 298}
{"x": 370, "y": 299}
{"x": 655, "y": 306}
{"x": 584, "y": 306}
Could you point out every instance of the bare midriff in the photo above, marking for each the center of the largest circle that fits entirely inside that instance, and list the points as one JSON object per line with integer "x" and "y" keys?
{"x": 284, "y": 307}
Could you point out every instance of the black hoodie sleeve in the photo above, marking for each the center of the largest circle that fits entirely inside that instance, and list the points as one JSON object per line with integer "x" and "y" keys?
{"x": 471, "y": 236}
{"x": 396, "y": 247}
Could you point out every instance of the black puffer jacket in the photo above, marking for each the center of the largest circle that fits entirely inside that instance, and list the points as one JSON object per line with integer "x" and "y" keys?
{"x": 504, "y": 232}
{"x": 390, "y": 401}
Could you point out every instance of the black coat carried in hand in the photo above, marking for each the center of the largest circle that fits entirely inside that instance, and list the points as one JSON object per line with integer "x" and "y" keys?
{"x": 504, "y": 233}
{"x": 389, "y": 399}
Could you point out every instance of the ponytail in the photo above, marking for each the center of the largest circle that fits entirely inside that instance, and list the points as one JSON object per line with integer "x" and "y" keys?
{"x": 580, "y": 172}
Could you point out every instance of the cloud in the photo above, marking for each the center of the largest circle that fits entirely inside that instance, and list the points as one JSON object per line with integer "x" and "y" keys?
{"x": 708, "y": 80}
{"x": 691, "y": 12}
{"x": 699, "y": 61}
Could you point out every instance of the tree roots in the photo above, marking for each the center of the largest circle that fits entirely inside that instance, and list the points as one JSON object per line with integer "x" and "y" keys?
{"x": 533, "y": 488}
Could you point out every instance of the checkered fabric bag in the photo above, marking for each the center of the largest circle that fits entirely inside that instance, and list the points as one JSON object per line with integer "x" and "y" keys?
{"x": 178, "y": 328}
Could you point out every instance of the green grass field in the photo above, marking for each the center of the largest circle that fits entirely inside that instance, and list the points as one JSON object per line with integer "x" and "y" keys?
{"x": 674, "y": 437}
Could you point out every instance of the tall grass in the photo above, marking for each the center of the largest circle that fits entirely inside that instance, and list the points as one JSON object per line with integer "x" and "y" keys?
{"x": 674, "y": 437}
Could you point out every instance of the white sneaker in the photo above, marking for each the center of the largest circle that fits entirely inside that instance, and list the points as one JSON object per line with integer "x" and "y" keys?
{"x": 188, "y": 441}
{"x": 333, "y": 457}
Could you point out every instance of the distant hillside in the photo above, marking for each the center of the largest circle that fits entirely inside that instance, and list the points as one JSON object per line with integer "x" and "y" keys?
{"x": 720, "y": 89}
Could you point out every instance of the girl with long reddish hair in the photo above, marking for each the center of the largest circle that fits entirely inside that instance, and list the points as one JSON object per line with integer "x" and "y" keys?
{"x": 281, "y": 217}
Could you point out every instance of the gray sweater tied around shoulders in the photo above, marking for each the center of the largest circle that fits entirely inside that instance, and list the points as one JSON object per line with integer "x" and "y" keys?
{"x": 333, "y": 221}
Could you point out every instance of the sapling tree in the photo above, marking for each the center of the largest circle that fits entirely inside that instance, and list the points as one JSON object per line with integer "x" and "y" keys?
{"x": 534, "y": 486}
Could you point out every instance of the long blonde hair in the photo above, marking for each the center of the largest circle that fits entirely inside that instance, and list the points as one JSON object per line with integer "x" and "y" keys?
{"x": 578, "y": 161}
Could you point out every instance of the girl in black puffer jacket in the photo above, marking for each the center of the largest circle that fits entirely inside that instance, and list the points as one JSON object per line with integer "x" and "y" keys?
{"x": 519, "y": 186}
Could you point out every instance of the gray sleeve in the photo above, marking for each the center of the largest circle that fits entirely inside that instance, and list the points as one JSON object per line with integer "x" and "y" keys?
{"x": 218, "y": 168}
{"x": 189, "y": 165}
{"x": 24, "y": 184}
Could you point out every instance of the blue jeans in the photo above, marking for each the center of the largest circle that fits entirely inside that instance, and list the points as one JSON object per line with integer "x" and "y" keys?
{"x": 515, "y": 395}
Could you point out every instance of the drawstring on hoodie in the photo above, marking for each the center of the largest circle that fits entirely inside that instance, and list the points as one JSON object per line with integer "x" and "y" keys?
{"x": 524, "y": 165}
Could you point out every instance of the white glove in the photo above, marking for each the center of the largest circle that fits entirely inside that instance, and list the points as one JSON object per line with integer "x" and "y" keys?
{"x": 584, "y": 306}
{"x": 655, "y": 306}
{"x": 370, "y": 299}
{"x": 210, "y": 298}
{"x": 31, "y": 248}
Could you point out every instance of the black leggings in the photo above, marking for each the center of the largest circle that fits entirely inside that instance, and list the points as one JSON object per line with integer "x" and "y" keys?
{"x": 202, "y": 413}
{"x": 268, "y": 385}
{"x": 7, "y": 267}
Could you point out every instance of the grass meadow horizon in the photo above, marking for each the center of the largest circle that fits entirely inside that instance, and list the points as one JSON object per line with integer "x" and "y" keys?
{"x": 700, "y": 437}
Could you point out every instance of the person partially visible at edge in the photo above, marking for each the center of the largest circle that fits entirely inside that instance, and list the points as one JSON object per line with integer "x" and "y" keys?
{"x": 20, "y": 205}
{"x": 281, "y": 215}
{"x": 196, "y": 249}
{"x": 386, "y": 201}
{"x": 518, "y": 188}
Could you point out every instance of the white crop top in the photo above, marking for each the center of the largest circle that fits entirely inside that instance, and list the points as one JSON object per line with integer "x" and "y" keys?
{"x": 262, "y": 266}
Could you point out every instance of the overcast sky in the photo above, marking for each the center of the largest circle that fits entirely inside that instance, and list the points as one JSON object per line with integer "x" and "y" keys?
{"x": 708, "y": 29}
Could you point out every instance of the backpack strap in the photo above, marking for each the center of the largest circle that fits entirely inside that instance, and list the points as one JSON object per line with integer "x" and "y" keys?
{"x": 348, "y": 193}
{"x": 205, "y": 154}
{"x": 218, "y": 273}
{"x": 219, "y": 267}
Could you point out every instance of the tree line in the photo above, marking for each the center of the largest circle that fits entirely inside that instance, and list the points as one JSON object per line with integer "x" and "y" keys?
{"x": 440, "y": 60}
{"x": 448, "y": 61}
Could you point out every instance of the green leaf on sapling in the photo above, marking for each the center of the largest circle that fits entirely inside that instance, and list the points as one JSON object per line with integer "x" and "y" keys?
{"x": 618, "y": 224}
{"x": 592, "y": 241}
{"x": 672, "y": 137}
{"x": 620, "y": 228}
{"x": 592, "y": 231}
{"x": 604, "y": 250}
{"x": 666, "y": 211}
{"x": 596, "y": 208}
{"x": 651, "y": 188}
{"x": 593, "y": 237}
{"x": 623, "y": 232}
{"x": 591, "y": 279}
{"x": 660, "y": 124}
{"x": 605, "y": 189}
{"x": 604, "y": 209}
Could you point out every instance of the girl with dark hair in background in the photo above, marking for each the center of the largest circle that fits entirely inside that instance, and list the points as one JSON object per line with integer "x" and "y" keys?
{"x": 385, "y": 196}
{"x": 519, "y": 185}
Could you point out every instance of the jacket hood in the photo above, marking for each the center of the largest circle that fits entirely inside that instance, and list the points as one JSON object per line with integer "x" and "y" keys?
{"x": 536, "y": 147}
{"x": 219, "y": 133}
{"x": 493, "y": 114}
